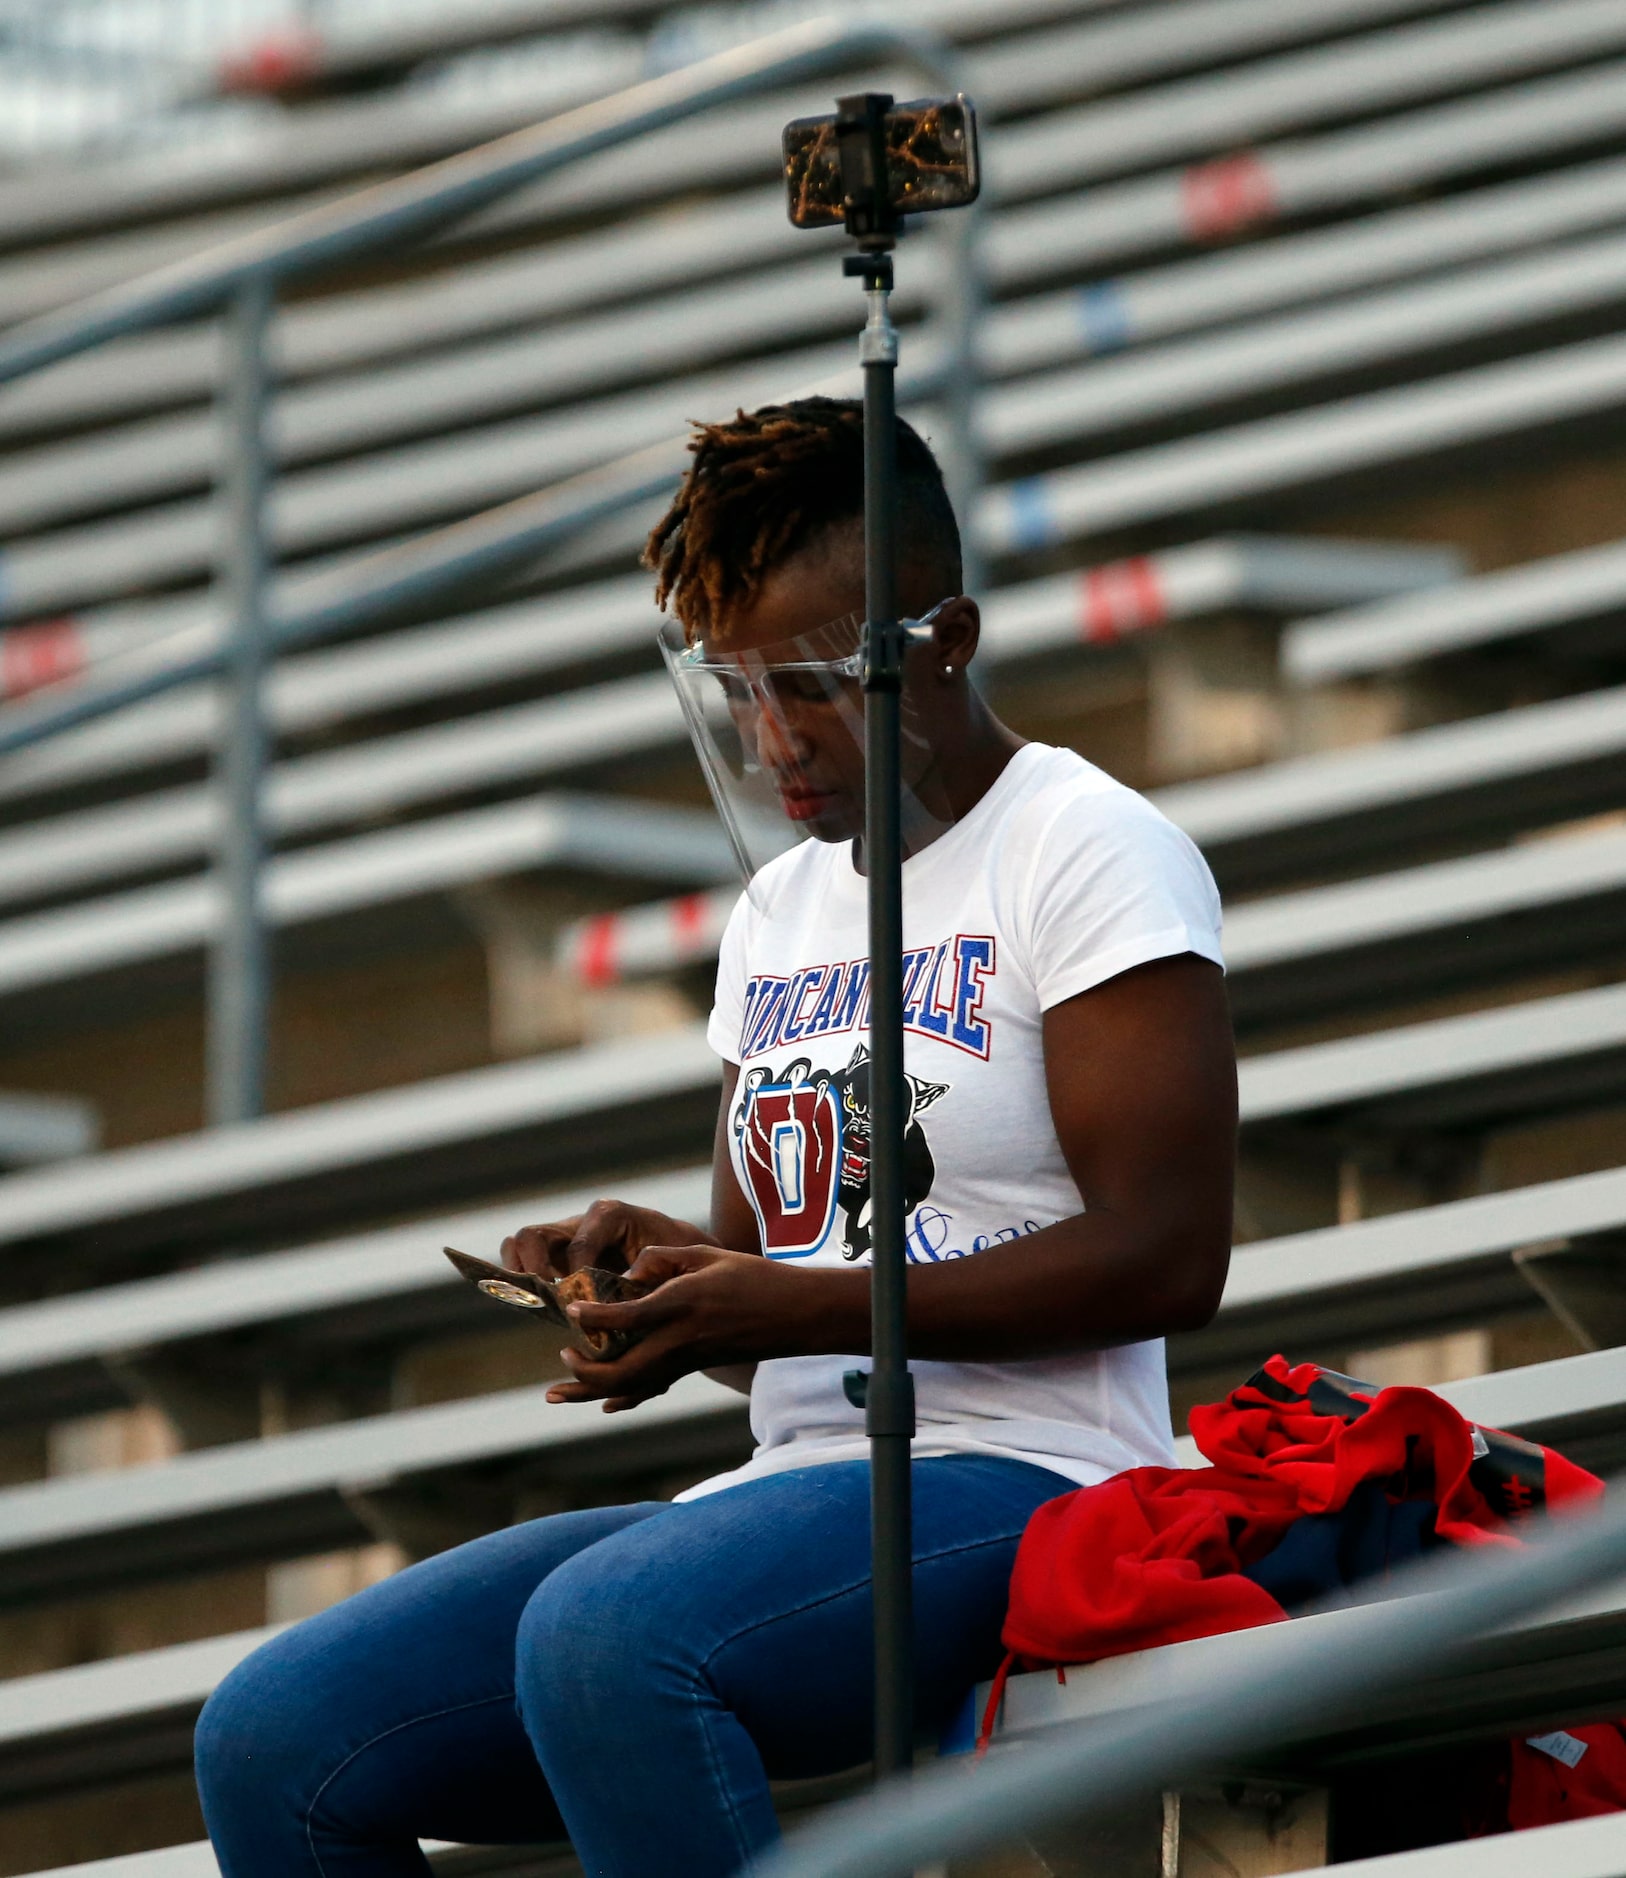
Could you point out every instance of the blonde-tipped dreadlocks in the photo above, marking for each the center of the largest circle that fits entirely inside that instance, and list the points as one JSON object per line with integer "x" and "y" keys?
{"x": 771, "y": 482}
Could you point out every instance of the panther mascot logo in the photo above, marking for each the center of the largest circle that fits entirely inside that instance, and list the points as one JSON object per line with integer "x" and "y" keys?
{"x": 804, "y": 1141}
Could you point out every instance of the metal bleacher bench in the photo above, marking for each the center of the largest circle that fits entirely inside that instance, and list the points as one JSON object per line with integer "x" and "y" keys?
{"x": 1498, "y": 43}
{"x": 1586, "y": 1848}
{"x": 343, "y": 1484}
{"x": 1542, "y": 601}
{"x": 579, "y": 728}
{"x": 347, "y": 1483}
{"x": 440, "y": 1138}
{"x": 1397, "y": 1275}
{"x": 90, "y": 1722}
{"x": 1484, "y": 778}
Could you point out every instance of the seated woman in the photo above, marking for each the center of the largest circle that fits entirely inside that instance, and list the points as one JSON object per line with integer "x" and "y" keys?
{"x": 634, "y": 1676}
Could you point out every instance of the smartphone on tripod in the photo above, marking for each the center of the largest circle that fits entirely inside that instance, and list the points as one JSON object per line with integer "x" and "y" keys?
{"x": 931, "y": 161}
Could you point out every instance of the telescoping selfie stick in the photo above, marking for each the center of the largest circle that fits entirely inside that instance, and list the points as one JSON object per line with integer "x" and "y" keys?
{"x": 886, "y": 1391}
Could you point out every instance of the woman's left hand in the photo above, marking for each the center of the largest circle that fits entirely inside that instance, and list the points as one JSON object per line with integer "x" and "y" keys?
{"x": 709, "y": 1309}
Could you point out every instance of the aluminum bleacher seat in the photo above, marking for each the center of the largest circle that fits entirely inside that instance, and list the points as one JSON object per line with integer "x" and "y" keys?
{"x": 1221, "y": 472}
{"x": 460, "y": 1134}
{"x": 1482, "y": 779}
{"x": 1582, "y": 1848}
{"x": 1508, "y": 39}
{"x": 442, "y": 1139}
{"x": 558, "y": 833}
{"x": 1538, "y": 905}
{"x": 383, "y": 1289}
{"x": 1532, "y": 1675}
{"x": 1542, "y": 601}
{"x": 1382, "y": 1276}
{"x": 88, "y": 1722}
{"x": 347, "y": 1483}
{"x": 1395, "y": 1276}
{"x": 1587, "y": 1848}
{"x": 37, "y": 1128}
{"x": 579, "y": 728}
{"x": 438, "y": 1140}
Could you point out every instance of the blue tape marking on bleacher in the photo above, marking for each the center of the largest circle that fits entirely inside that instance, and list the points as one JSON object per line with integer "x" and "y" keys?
{"x": 1103, "y": 317}
{"x": 1028, "y": 501}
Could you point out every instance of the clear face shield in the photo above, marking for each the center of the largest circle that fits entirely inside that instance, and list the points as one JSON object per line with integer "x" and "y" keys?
{"x": 779, "y": 730}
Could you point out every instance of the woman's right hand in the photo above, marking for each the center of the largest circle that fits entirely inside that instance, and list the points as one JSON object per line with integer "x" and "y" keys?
{"x": 610, "y": 1235}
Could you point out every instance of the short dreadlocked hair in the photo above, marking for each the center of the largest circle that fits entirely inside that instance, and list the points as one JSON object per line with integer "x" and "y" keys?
{"x": 772, "y": 482}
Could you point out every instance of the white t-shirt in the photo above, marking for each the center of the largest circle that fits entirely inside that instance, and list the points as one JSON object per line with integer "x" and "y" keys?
{"x": 1057, "y": 880}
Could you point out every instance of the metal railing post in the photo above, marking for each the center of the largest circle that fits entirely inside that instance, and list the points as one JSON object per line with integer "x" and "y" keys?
{"x": 961, "y": 380}
{"x": 239, "y": 965}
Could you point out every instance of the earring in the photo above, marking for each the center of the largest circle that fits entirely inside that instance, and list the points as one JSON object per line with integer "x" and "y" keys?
{"x": 948, "y": 671}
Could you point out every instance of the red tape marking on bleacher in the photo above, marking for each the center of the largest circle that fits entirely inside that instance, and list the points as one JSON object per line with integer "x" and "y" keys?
{"x": 1228, "y": 194}
{"x": 595, "y": 958}
{"x": 279, "y": 62}
{"x": 1121, "y": 597}
{"x": 32, "y": 657}
{"x": 688, "y": 915}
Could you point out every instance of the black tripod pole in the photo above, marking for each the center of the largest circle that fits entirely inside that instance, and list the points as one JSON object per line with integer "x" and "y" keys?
{"x": 890, "y": 1398}
{"x": 887, "y": 1393}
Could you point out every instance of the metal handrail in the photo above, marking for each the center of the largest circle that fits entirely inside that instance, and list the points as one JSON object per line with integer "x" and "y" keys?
{"x": 1293, "y": 1683}
{"x": 412, "y": 207}
{"x": 242, "y": 279}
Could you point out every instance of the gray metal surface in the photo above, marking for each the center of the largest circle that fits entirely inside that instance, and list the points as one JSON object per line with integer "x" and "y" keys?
{"x": 1115, "y": 52}
{"x": 196, "y": 1860}
{"x": 1437, "y": 1266}
{"x": 438, "y": 1139}
{"x": 495, "y": 378}
{"x": 1585, "y": 1848}
{"x": 1162, "y": 123}
{"x": 1397, "y": 1276}
{"x": 345, "y": 331}
{"x": 308, "y": 1492}
{"x": 38, "y": 581}
{"x": 1542, "y": 904}
{"x": 35, "y": 1128}
{"x": 1538, "y": 597}
{"x": 1337, "y": 171}
{"x": 395, "y": 213}
{"x": 1315, "y": 951}
{"x": 1483, "y": 779}
{"x": 521, "y": 1122}
{"x": 1302, "y": 1681}
{"x": 617, "y": 837}
{"x": 1369, "y": 334}
{"x": 1173, "y": 299}
{"x": 127, "y": 1715}
{"x": 1563, "y": 1665}
{"x": 1557, "y": 1665}
{"x": 1578, "y": 1848}
{"x": 381, "y": 1289}
{"x": 1222, "y": 470}
{"x": 239, "y": 987}
{"x": 1376, "y": 1280}
{"x": 1536, "y": 1057}
{"x": 323, "y": 689}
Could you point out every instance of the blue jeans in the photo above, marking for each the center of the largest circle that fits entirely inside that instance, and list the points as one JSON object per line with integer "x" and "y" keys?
{"x": 631, "y": 1676}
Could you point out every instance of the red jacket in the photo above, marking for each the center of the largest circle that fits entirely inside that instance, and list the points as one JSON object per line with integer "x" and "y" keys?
{"x": 1161, "y": 1554}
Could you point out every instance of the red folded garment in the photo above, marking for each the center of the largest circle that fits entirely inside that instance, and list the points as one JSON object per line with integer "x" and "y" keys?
{"x": 1155, "y": 1555}
{"x": 1160, "y": 1554}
